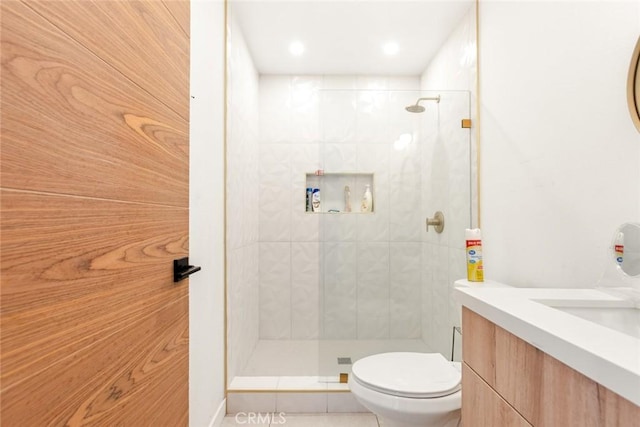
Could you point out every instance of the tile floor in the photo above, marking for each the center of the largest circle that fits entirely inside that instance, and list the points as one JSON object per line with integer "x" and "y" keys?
{"x": 300, "y": 420}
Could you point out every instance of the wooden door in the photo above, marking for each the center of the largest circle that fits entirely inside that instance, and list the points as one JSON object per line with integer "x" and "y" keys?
{"x": 94, "y": 194}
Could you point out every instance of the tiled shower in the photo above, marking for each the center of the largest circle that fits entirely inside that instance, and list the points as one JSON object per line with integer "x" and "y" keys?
{"x": 329, "y": 281}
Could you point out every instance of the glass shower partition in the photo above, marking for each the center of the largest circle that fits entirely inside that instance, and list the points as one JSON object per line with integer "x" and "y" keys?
{"x": 383, "y": 280}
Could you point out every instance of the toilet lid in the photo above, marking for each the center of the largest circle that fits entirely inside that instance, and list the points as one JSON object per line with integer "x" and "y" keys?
{"x": 417, "y": 375}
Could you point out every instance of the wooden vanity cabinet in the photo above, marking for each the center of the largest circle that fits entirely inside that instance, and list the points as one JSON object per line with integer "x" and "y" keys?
{"x": 508, "y": 382}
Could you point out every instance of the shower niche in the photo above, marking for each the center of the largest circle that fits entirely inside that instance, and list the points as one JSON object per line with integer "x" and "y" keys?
{"x": 339, "y": 193}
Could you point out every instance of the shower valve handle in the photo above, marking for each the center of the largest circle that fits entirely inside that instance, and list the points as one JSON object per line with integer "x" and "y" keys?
{"x": 437, "y": 222}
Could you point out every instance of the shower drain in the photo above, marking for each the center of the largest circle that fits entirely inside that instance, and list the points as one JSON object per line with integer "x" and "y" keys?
{"x": 344, "y": 361}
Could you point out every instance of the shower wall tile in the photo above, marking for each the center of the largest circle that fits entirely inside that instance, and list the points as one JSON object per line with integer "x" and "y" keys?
{"x": 339, "y": 157}
{"x": 338, "y": 228}
{"x": 305, "y": 290}
{"x": 337, "y": 82}
{"x": 405, "y": 225}
{"x": 372, "y": 119}
{"x": 373, "y": 290}
{"x": 405, "y": 289}
{"x": 305, "y": 158}
{"x": 403, "y": 83}
{"x": 275, "y": 109}
{"x": 242, "y": 198}
{"x": 340, "y": 282}
{"x": 375, "y": 227}
{"x": 305, "y": 109}
{"x": 338, "y": 116}
{"x": 274, "y": 214}
{"x": 372, "y": 83}
{"x": 275, "y": 290}
{"x": 373, "y": 158}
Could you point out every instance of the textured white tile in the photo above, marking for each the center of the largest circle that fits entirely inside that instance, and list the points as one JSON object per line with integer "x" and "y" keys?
{"x": 406, "y": 226}
{"x": 274, "y": 214}
{"x": 340, "y": 276}
{"x": 250, "y": 402}
{"x": 275, "y": 109}
{"x": 305, "y": 158}
{"x": 301, "y": 403}
{"x": 337, "y": 82}
{"x": 338, "y": 228}
{"x": 373, "y": 290}
{"x": 405, "y": 290}
{"x": 372, "y": 122}
{"x": 338, "y": 116}
{"x": 305, "y": 109}
{"x": 344, "y": 402}
{"x": 372, "y": 83}
{"x": 403, "y": 83}
{"x": 339, "y": 157}
{"x": 275, "y": 290}
{"x": 305, "y": 227}
{"x": 305, "y": 290}
{"x": 373, "y": 158}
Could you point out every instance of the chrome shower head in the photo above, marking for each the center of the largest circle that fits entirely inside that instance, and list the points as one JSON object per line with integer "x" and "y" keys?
{"x": 417, "y": 108}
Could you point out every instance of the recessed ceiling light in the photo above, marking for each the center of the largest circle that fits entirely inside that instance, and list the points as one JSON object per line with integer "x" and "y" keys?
{"x": 296, "y": 48}
{"x": 390, "y": 48}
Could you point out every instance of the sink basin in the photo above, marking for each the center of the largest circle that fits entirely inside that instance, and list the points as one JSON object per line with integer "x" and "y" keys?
{"x": 621, "y": 316}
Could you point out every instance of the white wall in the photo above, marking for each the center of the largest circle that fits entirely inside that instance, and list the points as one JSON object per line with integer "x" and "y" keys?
{"x": 206, "y": 214}
{"x": 560, "y": 165}
{"x": 449, "y": 164}
{"x": 242, "y": 199}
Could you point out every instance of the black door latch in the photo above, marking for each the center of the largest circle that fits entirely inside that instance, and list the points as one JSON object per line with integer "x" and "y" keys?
{"x": 182, "y": 269}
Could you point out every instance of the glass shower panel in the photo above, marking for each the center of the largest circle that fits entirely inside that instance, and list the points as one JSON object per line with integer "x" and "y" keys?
{"x": 375, "y": 275}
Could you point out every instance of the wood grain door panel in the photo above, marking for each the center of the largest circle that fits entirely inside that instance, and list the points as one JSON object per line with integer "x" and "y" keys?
{"x": 95, "y": 207}
{"x": 138, "y": 38}
{"x": 94, "y": 265}
{"x": 73, "y": 125}
{"x": 118, "y": 380}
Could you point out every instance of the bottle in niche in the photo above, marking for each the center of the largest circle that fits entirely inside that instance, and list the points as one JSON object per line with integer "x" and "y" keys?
{"x": 347, "y": 199}
{"x": 367, "y": 200}
{"x": 315, "y": 200}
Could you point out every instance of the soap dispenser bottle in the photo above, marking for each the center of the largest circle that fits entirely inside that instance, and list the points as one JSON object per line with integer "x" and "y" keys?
{"x": 367, "y": 200}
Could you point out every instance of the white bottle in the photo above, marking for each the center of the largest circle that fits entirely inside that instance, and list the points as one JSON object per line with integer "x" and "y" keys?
{"x": 367, "y": 200}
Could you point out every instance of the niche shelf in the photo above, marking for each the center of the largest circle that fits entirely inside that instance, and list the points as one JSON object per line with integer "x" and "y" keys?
{"x": 332, "y": 186}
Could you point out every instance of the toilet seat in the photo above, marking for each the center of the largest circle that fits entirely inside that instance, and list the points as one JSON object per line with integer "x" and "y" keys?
{"x": 413, "y": 375}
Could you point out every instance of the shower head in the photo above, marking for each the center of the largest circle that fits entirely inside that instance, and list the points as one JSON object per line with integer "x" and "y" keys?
{"x": 417, "y": 108}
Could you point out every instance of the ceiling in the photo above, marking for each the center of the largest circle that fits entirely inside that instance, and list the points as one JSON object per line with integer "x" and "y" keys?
{"x": 346, "y": 37}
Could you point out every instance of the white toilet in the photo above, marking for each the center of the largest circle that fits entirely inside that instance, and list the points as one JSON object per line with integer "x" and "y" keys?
{"x": 409, "y": 389}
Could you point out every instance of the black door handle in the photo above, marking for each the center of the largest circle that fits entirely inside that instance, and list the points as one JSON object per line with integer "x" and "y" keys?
{"x": 182, "y": 269}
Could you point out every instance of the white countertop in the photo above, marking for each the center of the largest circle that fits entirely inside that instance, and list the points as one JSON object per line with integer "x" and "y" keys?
{"x": 604, "y": 355}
